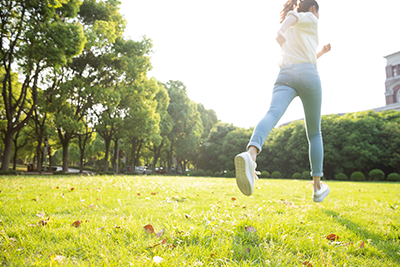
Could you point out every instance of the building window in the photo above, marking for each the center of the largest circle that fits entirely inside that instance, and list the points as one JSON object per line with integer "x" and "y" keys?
{"x": 398, "y": 96}
{"x": 395, "y": 71}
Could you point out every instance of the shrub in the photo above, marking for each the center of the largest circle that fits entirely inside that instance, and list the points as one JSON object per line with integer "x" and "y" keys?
{"x": 193, "y": 173}
{"x": 229, "y": 174}
{"x": 11, "y": 172}
{"x": 200, "y": 172}
{"x": 265, "y": 174}
{"x": 217, "y": 174}
{"x": 341, "y": 177}
{"x": 297, "y": 176}
{"x": 394, "y": 177}
{"x": 357, "y": 176}
{"x": 276, "y": 174}
{"x": 209, "y": 173}
{"x": 306, "y": 175}
{"x": 376, "y": 175}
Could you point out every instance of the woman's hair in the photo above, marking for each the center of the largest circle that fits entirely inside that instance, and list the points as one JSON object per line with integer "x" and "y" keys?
{"x": 301, "y": 5}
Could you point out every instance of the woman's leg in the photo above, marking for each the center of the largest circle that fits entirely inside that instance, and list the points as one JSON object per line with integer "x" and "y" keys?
{"x": 281, "y": 98}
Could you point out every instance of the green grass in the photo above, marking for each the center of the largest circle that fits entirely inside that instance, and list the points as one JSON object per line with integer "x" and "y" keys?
{"x": 203, "y": 224}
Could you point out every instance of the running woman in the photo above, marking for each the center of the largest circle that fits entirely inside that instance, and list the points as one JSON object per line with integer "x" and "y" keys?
{"x": 298, "y": 76}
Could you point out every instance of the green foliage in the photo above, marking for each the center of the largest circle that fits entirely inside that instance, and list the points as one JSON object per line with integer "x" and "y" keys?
{"x": 200, "y": 172}
{"x": 265, "y": 174}
{"x": 376, "y": 175}
{"x": 105, "y": 173}
{"x": 357, "y": 176}
{"x": 276, "y": 174}
{"x": 395, "y": 177}
{"x": 209, "y": 173}
{"x": 341, "y": 177}
{"x": 229, "y": 174}
{"x": 297, "y": 176}
{"x": 306, "y": 175}
{"x": 217, "y": 174}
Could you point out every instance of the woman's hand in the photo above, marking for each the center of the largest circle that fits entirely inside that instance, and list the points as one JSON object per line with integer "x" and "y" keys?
{"x": 281, "y": 38}
{"x": 324, "y": 50}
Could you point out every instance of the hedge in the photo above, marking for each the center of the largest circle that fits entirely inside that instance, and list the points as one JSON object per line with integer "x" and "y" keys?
{"x": 341, "y": 177}
{"x": 306, "y": 175}
{"x": 297, "y": 176}
{"x": 376, "y": 175}
{"x": 265, "y": 174}
{"x": 229, "y": 174}
{"x": 217, "y": 174}
{"x": 276, "y": 174}
{"x": 394, "y": 177}
{"x": 209, "y": 173}
{"x": 357, "y": 176}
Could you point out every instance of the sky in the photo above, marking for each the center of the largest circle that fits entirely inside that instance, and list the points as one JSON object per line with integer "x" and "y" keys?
{"x": 226, "y": 54}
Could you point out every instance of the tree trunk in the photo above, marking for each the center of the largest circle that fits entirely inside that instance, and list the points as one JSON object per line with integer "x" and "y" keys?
{"x": 157, "y": 152}
{"x": 133, "y": 154}
{"x": 39, "y": 157}
{"x": 138, "y": 151}
{"x": 65, "y": 157}
{"x": 108, "y": 142}
{"x": 114, "y": 159}
{"x": 8, "y": 142}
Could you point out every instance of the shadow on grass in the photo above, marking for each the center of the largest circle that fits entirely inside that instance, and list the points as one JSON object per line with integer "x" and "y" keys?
{"x": 384, "y": 247}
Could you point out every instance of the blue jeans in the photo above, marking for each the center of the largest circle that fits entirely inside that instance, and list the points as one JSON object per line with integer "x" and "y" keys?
{"x": 296, "y": 80}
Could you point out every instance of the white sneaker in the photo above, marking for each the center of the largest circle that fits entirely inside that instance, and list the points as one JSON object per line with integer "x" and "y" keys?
{"x": 319, "y": 195}
{"x": 245, "y": 172}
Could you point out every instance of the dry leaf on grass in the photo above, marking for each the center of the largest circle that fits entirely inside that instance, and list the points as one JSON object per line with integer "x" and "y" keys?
{"x": 250, "y": 229}
{"x": 332, "y": 237}
{"x": 307, "y": 263}
{"x": 76, "y": 224}
{"x": 149, "y": 228}
{"x": 160, "y": 234}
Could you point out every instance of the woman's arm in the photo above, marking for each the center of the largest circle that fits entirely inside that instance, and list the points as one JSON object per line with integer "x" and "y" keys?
{"x": 324, "y": 50}
{"x": 289, "y": 21}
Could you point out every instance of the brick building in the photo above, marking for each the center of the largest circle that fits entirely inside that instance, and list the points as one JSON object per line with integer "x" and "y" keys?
{"x": 392, "y": 83}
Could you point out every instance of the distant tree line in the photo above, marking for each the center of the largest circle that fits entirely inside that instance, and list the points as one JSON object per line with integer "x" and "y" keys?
{"x": 70, "y": 79}
{"x": 361, "y": 141}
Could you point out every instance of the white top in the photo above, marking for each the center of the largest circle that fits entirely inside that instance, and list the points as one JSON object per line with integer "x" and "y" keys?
{"x": 301, "y": 40}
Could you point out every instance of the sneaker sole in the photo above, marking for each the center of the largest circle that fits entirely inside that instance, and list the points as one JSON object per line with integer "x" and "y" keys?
{"x": 322, "y": 197}
{"x": 241, "y": 177}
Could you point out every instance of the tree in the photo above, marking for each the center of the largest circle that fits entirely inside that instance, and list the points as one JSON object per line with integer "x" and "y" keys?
{"x": 187, "y": 128}
{"x": 35, "y": 36}
{"x": 92, "y": 73}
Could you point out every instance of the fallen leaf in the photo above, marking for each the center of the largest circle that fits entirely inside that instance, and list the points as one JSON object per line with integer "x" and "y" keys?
{"x": 308, "y": 264}
{"x": 72, "y": 189}
{"x": 362, "y": 244}
{"x": 250, "y": 229}
{"x": 153, "y": 193}
{"x": 157, "y": 259}
{"x": 138, "y": 194}
{"x": 13, "y": 239}
{"x": 76, "y": 224}
{"x": 233, "y": 199}
{"x": 149, "y": 228}
{"x": 332, "y": 237}
{"x": 244, "y": 207}
{"x": 161, "y": 243}
{"x": 187, "y": 216}
{"x": 100, "y": 228}
{"x": 160, "y": 234}
{"x": 42, "y": 222}
{"x": 118, "y": 227}
{"x": 247, "y": 250}
{"x": 41, "y": 215}
{"x": 57, "y": 187}
{"x": 34, "y": 199}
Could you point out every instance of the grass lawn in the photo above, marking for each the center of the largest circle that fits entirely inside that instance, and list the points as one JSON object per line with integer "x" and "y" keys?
{"x": 207, "y": 222}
